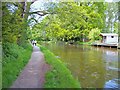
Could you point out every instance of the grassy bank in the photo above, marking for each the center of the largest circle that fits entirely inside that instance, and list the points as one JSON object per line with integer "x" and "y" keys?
{"x": 84, "y": 43}
{"x": 14, "y": 59}
{"x": 59, "y": 76}
{"x": 0, "y": 66}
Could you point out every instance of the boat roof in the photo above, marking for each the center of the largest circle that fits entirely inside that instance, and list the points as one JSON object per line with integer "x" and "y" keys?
{"x": 108, "y": 34}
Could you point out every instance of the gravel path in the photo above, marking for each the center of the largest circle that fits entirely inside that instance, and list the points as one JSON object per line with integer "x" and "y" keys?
{"x": 33, "y": 75}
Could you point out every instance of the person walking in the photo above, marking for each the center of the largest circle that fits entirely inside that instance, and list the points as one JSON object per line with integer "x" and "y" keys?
{"x": 35, "y": 42}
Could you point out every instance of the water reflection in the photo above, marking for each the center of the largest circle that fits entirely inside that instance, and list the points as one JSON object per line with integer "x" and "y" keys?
{"x": 92, "y": 66}
{"x": 112, "y": 83}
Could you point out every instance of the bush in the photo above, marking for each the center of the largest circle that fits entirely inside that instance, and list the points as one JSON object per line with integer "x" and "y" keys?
{"x": 14, "y": 59}
{"x": 94, "y": 34}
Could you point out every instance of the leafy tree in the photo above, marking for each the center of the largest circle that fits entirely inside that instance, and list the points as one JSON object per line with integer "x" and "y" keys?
{"x": 116, "y": 27}
{"x": 111, "y": 16}
{"x": 72, "y": 20}
{"x": 94, "y": 34}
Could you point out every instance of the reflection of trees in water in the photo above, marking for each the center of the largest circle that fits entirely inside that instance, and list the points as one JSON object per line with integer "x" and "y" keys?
{"x": 110, "y": 56}
{"x": 114, "y": 83}
{"x": 111, "y": 59}
{"x": 87, "y": 63}
{"x": 92, "y": 70}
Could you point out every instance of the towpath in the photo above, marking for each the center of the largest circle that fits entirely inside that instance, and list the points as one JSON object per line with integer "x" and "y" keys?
{"x": 33, "y": 75}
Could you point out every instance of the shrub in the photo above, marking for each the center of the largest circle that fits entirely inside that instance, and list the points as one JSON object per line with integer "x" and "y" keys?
{"x": 14, "y": 59}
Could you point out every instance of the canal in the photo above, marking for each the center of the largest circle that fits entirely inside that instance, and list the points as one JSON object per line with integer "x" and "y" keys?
{"x": 94, "y": 67}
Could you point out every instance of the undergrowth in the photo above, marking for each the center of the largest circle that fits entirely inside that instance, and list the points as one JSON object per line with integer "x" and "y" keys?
{"x": 14, "y": 59}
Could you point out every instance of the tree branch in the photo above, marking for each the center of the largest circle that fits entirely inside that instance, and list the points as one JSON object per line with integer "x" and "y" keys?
{"x": 41, "y": 13}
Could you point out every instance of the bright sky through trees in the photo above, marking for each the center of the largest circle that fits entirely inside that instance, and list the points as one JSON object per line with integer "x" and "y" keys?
{"x": 39, "y": 5}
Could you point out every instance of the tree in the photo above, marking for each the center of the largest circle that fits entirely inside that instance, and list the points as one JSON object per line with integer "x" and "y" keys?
{"x": 15, "y": 21}
{"x": 111, "y": 16}
{"x": 94, "y": 34}
{"x": 72, "y": 20}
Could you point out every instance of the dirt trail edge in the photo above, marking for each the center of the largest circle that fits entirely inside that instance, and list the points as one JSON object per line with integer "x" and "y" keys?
{"x": 33, "y": 75}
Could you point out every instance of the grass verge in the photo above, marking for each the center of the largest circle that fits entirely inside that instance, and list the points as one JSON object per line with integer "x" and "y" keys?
{"x": 59, "y": 76}
{"x": 0, "y": 66}
{"x": 84, "y": 43}
{"x": 14, "y": 59}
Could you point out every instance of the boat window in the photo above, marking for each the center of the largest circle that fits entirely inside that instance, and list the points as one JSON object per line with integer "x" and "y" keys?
{"x": 112, "y": 36}
{"x": 104, "y": 37}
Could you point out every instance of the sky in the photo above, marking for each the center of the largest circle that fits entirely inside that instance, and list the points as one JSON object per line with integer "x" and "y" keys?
{"x": 38, "y": 4}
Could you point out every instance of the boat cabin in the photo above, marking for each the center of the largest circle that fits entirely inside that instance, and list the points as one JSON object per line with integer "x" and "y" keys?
{"x": 109, "y": 38}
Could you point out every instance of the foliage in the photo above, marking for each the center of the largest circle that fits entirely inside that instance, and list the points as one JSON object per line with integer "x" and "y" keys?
{"x": 116, "y": 27}
{"x": 14, "y": 22}
{"x": 111, "y": 16}
{"x": 71, "y": 21}
{"x": 13, "y": 62}
{"x": 59, "y": 76}
{"x": 14, "y": 42}
{"x": 94, "y": 34}
{"x": 10, "y": 26}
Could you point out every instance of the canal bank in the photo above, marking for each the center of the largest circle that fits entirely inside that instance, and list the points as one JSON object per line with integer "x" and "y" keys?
{"x": 105, "y": 45}
{"x": 59, "y": 76}
{"x": 89, "y": 64}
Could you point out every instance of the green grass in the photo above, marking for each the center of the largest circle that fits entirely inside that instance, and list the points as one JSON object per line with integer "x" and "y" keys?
{"x": 0, "y": 66}
{"x": 59, "y": 76}
{"x": 14, "y": 60}
{"x": 84, "y": 43}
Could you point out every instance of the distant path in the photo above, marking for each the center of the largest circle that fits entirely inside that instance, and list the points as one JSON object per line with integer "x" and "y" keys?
{"x": 33, "y": 75}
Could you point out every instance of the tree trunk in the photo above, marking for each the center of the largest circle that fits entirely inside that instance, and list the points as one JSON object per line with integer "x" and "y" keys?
{"x": 25, "y": 7}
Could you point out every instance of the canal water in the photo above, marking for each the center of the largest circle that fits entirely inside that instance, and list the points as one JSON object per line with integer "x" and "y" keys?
{"x": 94, "y": 67}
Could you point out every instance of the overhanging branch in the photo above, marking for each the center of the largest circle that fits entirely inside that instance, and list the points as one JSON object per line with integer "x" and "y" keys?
{"x": 42, "y": 13}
